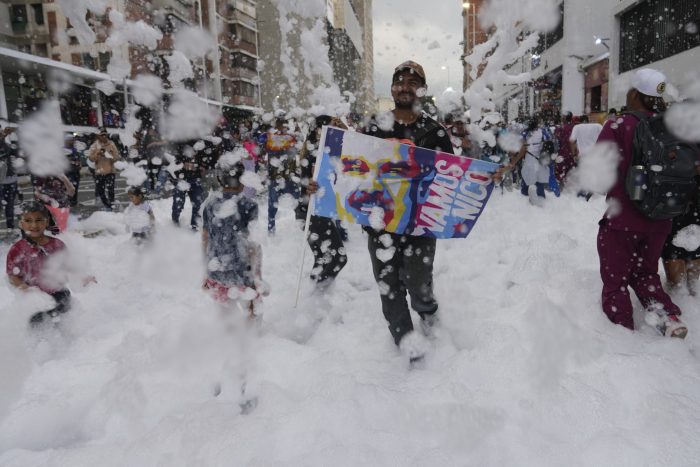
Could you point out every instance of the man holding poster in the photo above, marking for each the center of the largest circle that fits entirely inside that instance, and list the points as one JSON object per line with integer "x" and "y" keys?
{"x": 404, "y": 262}
{"x": 401, "y": 182}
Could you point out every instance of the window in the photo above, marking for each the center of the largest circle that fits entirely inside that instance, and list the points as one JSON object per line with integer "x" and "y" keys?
{"x": 241, "y": 33}
{"x": 103, "y": 58}
{"x": 42, "y": 50}
{"x": 172, "y": 24}
{"x": 242, "y": 88}
{"x": 88, "y": 61}
{"x": 38, "y": 13}
{"x": 18, "y": 18}
{"x": 549, "y": 39}
{"x": 656, "y": 29}
{"x": 243, "y": 61}
{"x": 72, "y": 39}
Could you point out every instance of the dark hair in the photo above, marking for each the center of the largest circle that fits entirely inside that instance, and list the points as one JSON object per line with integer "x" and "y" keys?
{"x": 229, "y": 176}
{"x": 319, "y": 121}
{"x": 35, "y": 206}
{"x": 533, "y": 123}
{"x": 612, "y": 111}
{"x": 568, "y": 117}
{"x": 322, "y": 120}
{"x": 583, "y": 118}
{"x": 136, "y": 191}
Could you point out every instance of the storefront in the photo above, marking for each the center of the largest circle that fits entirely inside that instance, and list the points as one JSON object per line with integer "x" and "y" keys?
{"x": 547, "y": 95}
{"x": 25, "y": 83}
{"x": 596, "y": 89}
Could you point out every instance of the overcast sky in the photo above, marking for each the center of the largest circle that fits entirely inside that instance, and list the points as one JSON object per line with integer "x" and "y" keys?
{"x": 428, "y": 32}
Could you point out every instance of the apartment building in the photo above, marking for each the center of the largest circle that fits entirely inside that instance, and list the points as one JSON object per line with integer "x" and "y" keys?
{"x": 349, "y": 31}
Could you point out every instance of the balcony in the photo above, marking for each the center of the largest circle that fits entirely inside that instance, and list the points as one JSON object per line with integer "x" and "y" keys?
{"x": 234, "y": 72}
{"x": 239, "y": 16}
{"x": 230, "y": 44}
{"x": 242, "y": 100}
{"x": 245, "y": 46}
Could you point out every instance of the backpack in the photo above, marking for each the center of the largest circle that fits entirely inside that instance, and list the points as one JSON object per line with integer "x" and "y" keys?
{"x": 661, "y": 178}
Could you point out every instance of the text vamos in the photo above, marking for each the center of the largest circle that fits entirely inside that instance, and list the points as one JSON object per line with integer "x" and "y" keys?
{"x": 456, "y": 195}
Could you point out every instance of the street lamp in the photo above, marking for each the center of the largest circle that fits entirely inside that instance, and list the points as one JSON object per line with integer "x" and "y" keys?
{"x": 445, "y": 67}
{"x": 602, "y": 40}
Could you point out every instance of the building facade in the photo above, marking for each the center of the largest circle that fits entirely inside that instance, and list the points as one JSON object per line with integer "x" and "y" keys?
{"x": 233, "y": 74}
{"x": 348, "y": 27}
{"x": 584, "y": 65}
{"x": 472, "y": 35}
{"x": 229, "y": 79}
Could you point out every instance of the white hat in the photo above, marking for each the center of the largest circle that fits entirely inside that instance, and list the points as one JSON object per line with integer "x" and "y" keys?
{"x": 649, "y": 82}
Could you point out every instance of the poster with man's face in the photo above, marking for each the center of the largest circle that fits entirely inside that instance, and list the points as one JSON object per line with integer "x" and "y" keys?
{"x": 398, "y": 187}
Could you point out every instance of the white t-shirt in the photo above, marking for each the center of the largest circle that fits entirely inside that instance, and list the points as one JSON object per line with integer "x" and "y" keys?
{"x": 137, "y": 218}
{"x": 585, "y": 135}
{"x": 533, "y": 171}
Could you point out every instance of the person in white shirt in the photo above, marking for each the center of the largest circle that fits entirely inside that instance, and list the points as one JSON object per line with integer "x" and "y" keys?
{"x": 139, "y": 215}
{"x": 584, "y": 136}
{"x": 535, "y": 169}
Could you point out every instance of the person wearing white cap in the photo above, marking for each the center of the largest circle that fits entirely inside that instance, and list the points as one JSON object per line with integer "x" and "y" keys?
{"x": 649, "y": 83}
{"x": 629, "y": 243}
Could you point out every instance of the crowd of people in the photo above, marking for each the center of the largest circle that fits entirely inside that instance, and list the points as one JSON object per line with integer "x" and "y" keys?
{"x": 283, "y": 153}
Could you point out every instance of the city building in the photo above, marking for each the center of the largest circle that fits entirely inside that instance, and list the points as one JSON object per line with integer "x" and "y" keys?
{"x": 349, "y": 32}
{"x": 232, "y": 78}
{"x": 584, "y": 65}
{"x": 472, "y": 35}
{"x": 30, "y": 30}
{"x": 661, "y": 34}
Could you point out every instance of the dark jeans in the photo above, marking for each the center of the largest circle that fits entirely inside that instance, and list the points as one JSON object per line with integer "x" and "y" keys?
{"x": 153, "y": 184}
{"x": 74, "y": 177}
{"x": 8, "y": 192}
{"x": 327, "y": 246}
{"x": 275, "y": 190}
{"x": 409, "y": 269}
{"x": 540, "y": 189}
{"x": 631, "y": 259}
{"x": 104, "y": 186}
{"x": 63, "y": 304}
{"x": 196, "y": 195}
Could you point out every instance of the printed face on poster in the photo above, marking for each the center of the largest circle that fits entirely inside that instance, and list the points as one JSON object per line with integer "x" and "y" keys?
{"x": 398, "y": 187}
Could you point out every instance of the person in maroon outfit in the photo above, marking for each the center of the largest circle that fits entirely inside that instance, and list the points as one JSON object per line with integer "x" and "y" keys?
{"x": 629, "y": 243}
{"x": 565, "y": 161}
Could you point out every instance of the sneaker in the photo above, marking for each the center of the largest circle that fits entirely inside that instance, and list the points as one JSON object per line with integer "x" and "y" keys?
{"x": 672, "y": 326}
{"x": 667, "y": 325}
